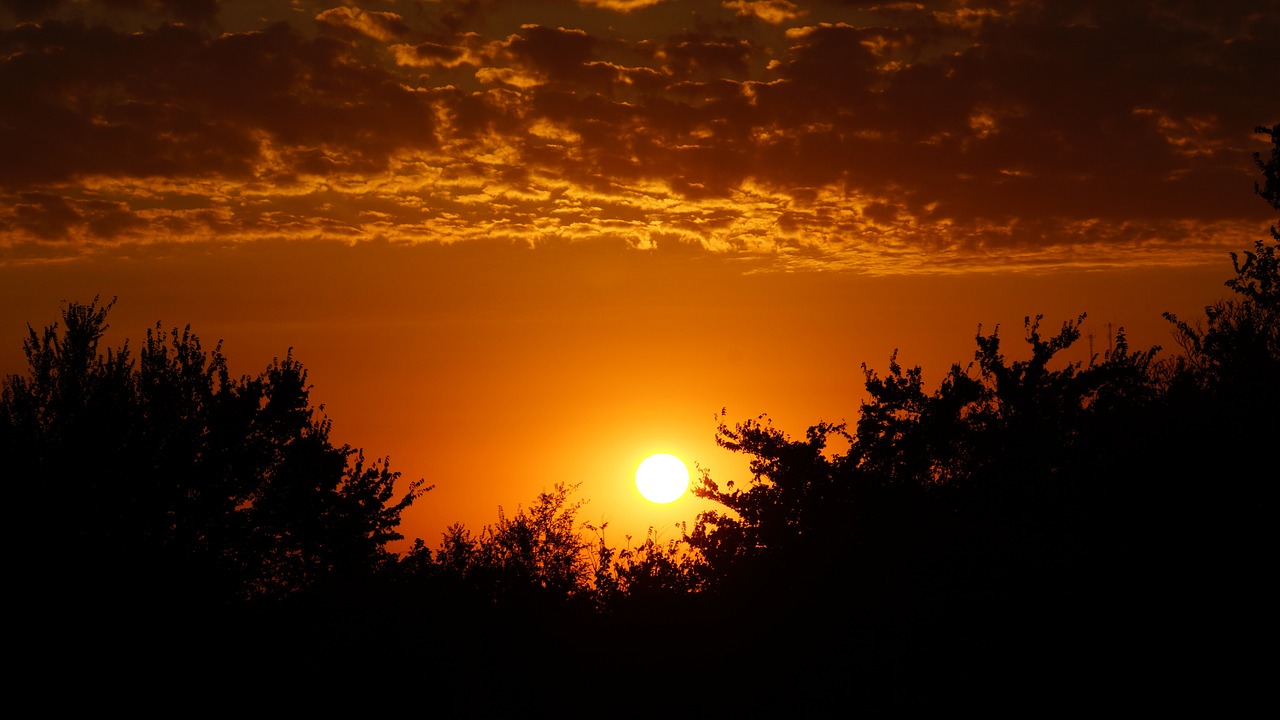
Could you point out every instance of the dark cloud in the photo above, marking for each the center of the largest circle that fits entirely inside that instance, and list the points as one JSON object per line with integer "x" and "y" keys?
{"x": 192, "y": 11}
{"x": 188, "y": 11}
{"x": 558, "y": 54}
{"x": 169, "y": 102}
{"x": 691, "y": 56}
{"x": 30, "y": 9}
{"x": 48, "y": 217}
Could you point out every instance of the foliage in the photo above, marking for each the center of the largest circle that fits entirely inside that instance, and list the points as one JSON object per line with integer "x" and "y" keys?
{"x": 1269, "y": 190}
{"x": 995, "y": 445}
{"x": 787, "y": 510}
{"x": 1037, "y": 507}
{"x": 538, "y": 555}
{"x": 543, "y": 556}
{"x": 166, "y": 478}
{"x": 1238, "y": 342}
{"x": 651, "y": 571}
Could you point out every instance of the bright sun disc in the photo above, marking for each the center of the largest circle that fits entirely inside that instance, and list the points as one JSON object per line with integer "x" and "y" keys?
{"x": 662, "y": 478}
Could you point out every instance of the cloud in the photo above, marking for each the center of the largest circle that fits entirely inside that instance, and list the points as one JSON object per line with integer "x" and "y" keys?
{"x": 833, "y": 134}
{"x": 85, "y": 101}
{"x": 557, "y": 54}
{"x": 43, "y": 215}
{"x": 467, "y": 49}
{"x": 624, "y": 6}
{"x": 774, "y": 12}
{"x": 188, "y": 11}
{"x": 383, "y": 26}
{"x": 691, "y": 55}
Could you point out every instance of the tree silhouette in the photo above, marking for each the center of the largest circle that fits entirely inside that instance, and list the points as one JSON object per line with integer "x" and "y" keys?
{"x": 538, "y": 555}
{"x": 1026, "y": 512}
{"x": 651, "y": 573}
{"x": 996, "y": 447}
{"x": 166, "y": 485}
{"x": 1219, "y": 431}
{"x": 1239, "y": 339}
{"x": 790, "y": 514}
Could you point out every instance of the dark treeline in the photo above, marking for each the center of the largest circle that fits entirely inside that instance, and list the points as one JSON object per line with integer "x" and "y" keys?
{"x": 1035, "y": 534}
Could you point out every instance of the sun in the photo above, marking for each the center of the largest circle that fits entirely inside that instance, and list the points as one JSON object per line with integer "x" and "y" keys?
{"x": 662, "y": 478}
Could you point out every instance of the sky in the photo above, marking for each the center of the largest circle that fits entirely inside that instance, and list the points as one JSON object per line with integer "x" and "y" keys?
{"x": 526, "y": 243}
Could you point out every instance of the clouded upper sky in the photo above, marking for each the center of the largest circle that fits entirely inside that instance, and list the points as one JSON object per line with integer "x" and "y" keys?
{"x": 871, "y": 136}
{"x": 517, "y": 224}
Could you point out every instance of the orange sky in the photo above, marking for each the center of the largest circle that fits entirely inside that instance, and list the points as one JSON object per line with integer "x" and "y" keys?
{"x": 522, "y": 243}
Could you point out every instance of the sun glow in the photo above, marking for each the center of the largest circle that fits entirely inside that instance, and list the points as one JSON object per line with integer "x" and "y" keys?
{"x": 662, "y": 478}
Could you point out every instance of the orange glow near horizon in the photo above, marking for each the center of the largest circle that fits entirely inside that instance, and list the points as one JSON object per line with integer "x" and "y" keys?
{"x": 497, "y": 376}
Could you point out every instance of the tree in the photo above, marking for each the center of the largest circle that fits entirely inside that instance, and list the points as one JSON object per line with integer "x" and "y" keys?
{"x": 1240, "y": 337}
{"x": 785, "y": 516}
{"x": 648, "y": 576}
{"x": 1238, "y": 342}
{"x": 1221, "y": 415}
{"x": 166, "y": 483}
{"x": 536, "y": 557}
